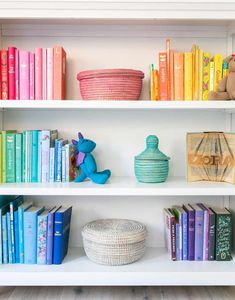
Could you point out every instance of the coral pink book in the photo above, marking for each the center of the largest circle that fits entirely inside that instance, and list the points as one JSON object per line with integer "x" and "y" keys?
{"x": 38, "y": 74}
{"x": 59, "y": 73}
{"x": 4, "y": 74}
{"x": 50, "y": 73}
{"x": 163, "y": 82}
{"x": 168, "y": 42}
{"x": 17, "y": 75}
{"x": 11, "y": 73}
{"x": 31, "y": 76}
{"x": 171, "y": 79}
{"x": 24, "y": 74}
{"x": 179, "y": 76}
{"x": 44, "y": 73}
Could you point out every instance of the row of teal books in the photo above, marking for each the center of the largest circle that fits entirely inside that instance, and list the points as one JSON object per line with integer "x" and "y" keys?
{"x": 36, "y": 156}
{"x": 198, "y": 232}
{"x": 33, "y": 234}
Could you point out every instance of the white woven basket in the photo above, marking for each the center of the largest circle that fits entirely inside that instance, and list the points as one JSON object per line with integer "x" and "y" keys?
{"x": 114, "y": 241}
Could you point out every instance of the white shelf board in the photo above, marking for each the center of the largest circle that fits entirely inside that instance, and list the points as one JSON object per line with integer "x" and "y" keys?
{"x": 102, "y": 104}
{"x": 120, "y": 186}
{"x": 155, "y": 268}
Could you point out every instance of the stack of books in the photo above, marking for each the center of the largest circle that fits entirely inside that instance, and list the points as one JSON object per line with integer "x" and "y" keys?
{"x": 186, "y": 75}
{"x": 198, "y": 232}
{"x": 36, "y": 156}
{"x": 25, "y": 75}
{"x": 33, "y": 234}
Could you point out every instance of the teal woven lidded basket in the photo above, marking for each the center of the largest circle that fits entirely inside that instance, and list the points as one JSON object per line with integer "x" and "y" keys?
{"x": 151, "y": 166}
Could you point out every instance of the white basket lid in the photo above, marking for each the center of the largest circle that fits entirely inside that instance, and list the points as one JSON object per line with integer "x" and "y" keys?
{"x": 114, "y": 231}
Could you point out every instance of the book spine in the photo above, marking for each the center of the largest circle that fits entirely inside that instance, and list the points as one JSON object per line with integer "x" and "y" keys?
{"x": 206, "y": 235}
{"x": 11, "y": 72}
{"x": 177, "y": 226}
{"x": 9, "y": 238}
{"x": 34, "y": 156}
{"x": 3, "y": 156}
{"x": 12, "y": 233}
{"x": 45, "y": 156}
{"x": 29, "y": 142}
{"x": 39, "y": 156}
{"x": 168, "y": 66}
{"x": 24, "y": 75}
{"x": 16, "y": 237}
{"x": 21, "y": 234}
{"x": 163, "y": 82}
{"x": 188, "y": 76}
{"x": 0, "y": 77}
{"x": 152, "y": 84}
{"x": 72, "y": 163}
{"x": 1, "y": 239}
{"x": 191, "y": 235}
{"x": 179, "y": 76}
{"x": 67, "y": 162}
{"x": 30, "y": 238}
{"x": 38, "y": 74}
{"x": 200, "y": 69}
{"x": 223, "y": 237}
{"x": 196, "y": 76}
{"x": 52, "y": 164}
{"x": 4, "y": 74}
{"x": 44, "y": 73}
{"x": 199, "y": 221}
{"x": 4, "y": 239}
{"x": 10, "y": 157}
{"x": 206, "y": 76}
{"x": 218, "y": 61}
{"x": 63, "y": 164}
{"x": 1, "y": 150}
{"x": 58, "y": 239}
{"x": 41, "y": 239}
{"x": 58, "y": 161}
{"x": 17, "y": 74}
{"x": 211, "y": 251}
{"x": 211, "y": 76}
{"x": 173, "y": 239}
{"x": 225, "y": 69}
{"x": 185, "y": 236}
{"x": 31, "y": 76}
{"x": 24, "y": 160}
{"x": 50, "y": 234}
{"x": 50, "y": 73}
{"x": 18, "y": 157}
{"x": 59, "y": 73}
{"x": 172, "y": 91}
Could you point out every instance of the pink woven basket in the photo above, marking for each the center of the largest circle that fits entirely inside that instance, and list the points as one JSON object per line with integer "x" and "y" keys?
{"x": 110, "y": 84}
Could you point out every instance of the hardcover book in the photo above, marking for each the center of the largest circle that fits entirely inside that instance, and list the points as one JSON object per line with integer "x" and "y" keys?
{"x": 24, "y": 74}
{"x": 10, "y": 157}
{"x": 38, "y": 74}
{"x": 218, "y": 61}
{"x": 19, "y": 156}
{"x": 211, "y": 238}
{"x": 34, "y": 156}
{"x": 179, "y": 76}
{"x": 50, "y": 80}
{"x": 50, "y": 235}
{"x": 42, "y": 237}
{"x": 200, "y": 70}
{"x": 163, "y": 81}
{"x": 17, "y": 74}
{"x": 206, "y": 75}
{"x": 31, "y": 76}
{"x": 179, "y": 234}
{"x": 59, "y": 73}
{"x": 172, "y": 91}
{"x": 4, "y": 239}
{"x": 191, "y": 230}
{"x": 188, "y": 76}
{"x": 59, "y": 143}
{"x": 4, "y": 133}
{"x": 183, "y": 220}
{"x": 205, "y": 232}
{"x": 4, "y": 74}
{"x": 44, "y": 73}
{"x": 170, "y": 233}
{"x": 11, "y": 72}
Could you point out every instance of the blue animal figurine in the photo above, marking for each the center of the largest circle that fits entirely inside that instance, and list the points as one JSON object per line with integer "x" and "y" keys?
{"x": 87, "y": 163}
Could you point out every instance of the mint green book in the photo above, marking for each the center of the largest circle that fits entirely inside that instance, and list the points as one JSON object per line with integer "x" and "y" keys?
{"x": 4, "y": 132}
{"x": 26, "y": 155}
{"x": 19, "y": 156}
{"x": 10, "y": 157}
{"x": 34, "y": 156}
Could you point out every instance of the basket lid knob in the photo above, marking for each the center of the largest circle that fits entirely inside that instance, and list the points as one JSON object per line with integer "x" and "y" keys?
{"x": 152, "y": 142}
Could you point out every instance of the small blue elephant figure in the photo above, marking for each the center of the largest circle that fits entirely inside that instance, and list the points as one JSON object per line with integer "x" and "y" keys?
{"x": 87, "y": 163}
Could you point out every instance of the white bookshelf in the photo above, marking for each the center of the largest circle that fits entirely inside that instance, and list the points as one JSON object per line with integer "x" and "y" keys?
{"x": 113, "y": 34}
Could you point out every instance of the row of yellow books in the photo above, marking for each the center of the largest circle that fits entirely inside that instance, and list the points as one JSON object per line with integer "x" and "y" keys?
{"x": 186, "y": 75}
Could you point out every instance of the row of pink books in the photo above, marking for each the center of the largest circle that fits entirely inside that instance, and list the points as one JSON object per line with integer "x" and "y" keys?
{"x": 25, "y": 75}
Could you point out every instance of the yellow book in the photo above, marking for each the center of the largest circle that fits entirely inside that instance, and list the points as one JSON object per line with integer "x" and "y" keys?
{"x": 152, "y": 88}
{"x": 218, "y": 61}
{"x": 196, "y": 74}
{"x": 200, "y": 74}
{"x": 206, "y": 76}
{"x": 193, "y": 78}
{"x": 188, "y": 76}
{"x": 156, "y": 82}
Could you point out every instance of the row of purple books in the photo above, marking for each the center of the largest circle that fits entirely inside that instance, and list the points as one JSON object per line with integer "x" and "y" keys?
{"x": 198, "y": 232}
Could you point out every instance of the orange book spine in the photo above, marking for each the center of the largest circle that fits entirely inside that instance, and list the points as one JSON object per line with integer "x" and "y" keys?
{"x": 163, "y": 76}
{"x": 59, "y": 73}
{"x": 168, "y": 67}
{"x": 172, "y": 93}
{"x": 4, "y": 74}
{"x": 179, "y": 76}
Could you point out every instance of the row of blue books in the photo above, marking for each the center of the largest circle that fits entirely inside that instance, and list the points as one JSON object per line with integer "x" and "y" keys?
{"x": 36, "y": 156}
{"x": 31, "y": 234}
{"x": 198, "y": 232}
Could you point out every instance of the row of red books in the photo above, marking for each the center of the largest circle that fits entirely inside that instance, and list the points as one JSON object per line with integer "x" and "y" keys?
{"x": 38, "y": 75}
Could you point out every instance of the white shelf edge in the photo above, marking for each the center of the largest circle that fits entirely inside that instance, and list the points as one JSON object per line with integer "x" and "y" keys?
{"x": 104, "y": 104}
{"x": 155, "y": 268}
{"x": 120, "y": 186}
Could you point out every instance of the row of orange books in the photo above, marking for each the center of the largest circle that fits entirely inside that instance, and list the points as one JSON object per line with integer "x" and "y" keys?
{"x": 186, "y": 75}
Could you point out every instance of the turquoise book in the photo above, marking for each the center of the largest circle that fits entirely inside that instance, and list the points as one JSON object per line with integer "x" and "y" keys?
{"x": 30, "y": 234}
{"x": 4, "y": 207}
{"x": 39, "y": 156}
{"x": 9, "y": 238}
{"x": 19, "y": 157}
{"x": 24, "y": 158}
{"x": 21, "y": 209}
{"x": 4, "y": 239}
{"x": 34, "y": 156}
{"x": 26, "y": 155}
{"x": 13, "y": 207}
{"x": 16, "y": 237}
{"x": 10, "y": 158}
